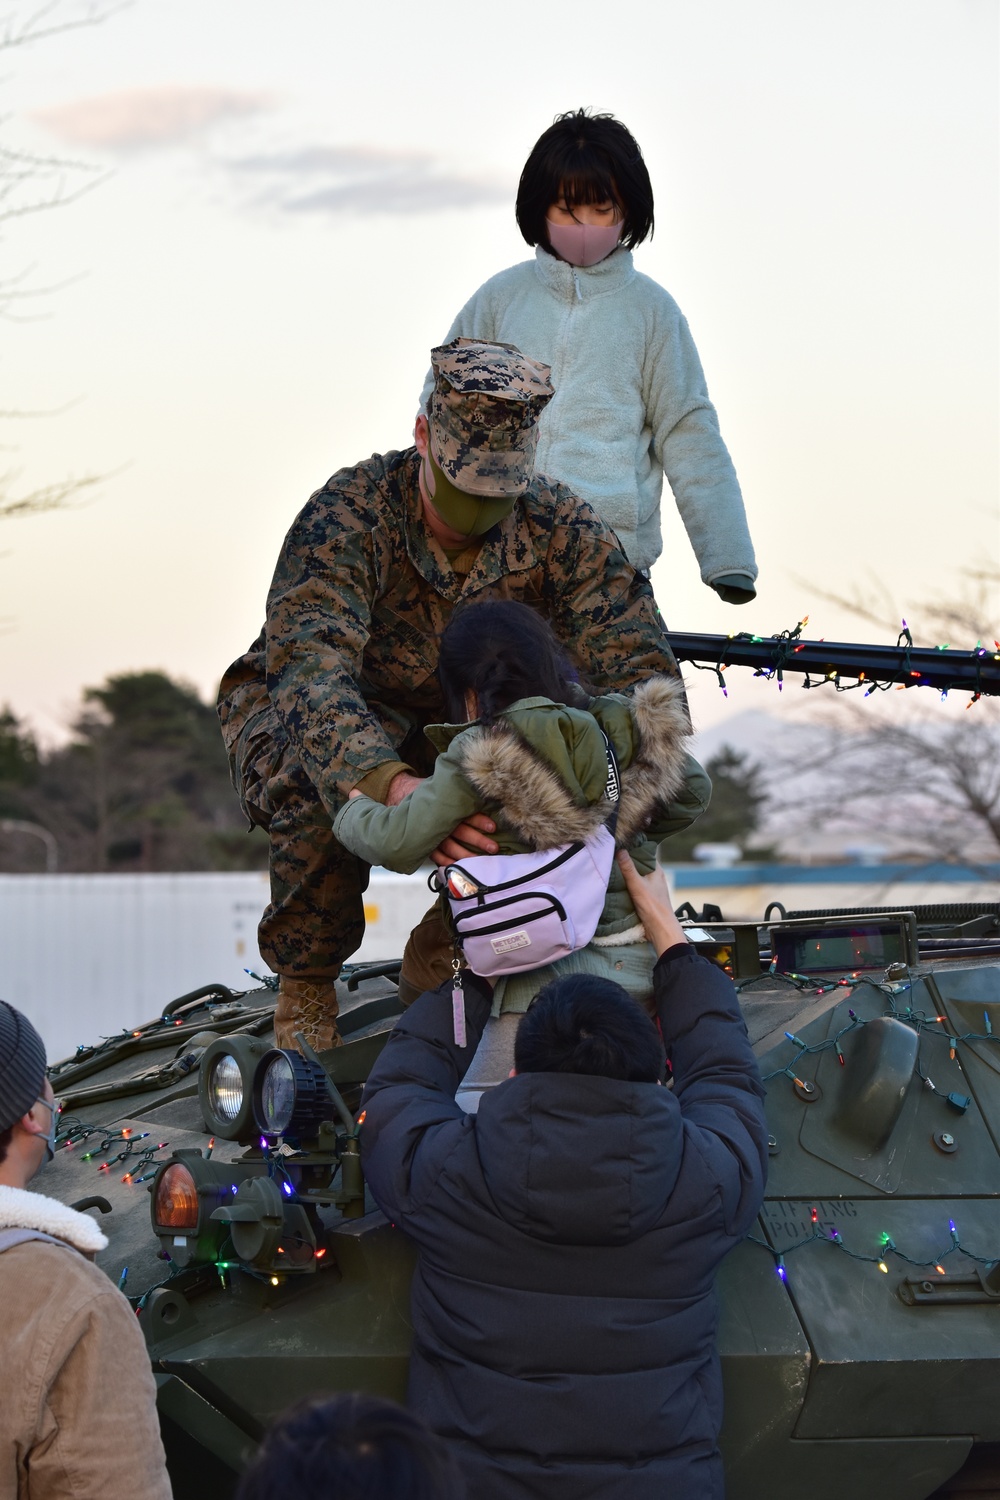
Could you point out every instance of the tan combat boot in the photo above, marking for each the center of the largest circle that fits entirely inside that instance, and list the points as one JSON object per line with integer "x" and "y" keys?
{"x": 309, "y": 1006}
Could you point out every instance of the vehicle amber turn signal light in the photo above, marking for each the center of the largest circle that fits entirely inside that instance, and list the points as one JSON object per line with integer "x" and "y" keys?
{"x": 176, "y": 1203}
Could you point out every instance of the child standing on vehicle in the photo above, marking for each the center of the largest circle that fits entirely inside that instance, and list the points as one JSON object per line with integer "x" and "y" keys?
{"x": 527, "y": 746}
{"x": 631, "y": 402}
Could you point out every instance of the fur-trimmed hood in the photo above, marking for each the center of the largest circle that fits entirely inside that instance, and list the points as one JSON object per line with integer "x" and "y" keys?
{"x": 20, "y": 1209}
{"x": 507, "y": 768}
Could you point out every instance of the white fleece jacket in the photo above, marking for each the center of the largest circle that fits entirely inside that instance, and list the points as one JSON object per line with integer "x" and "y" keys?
{"x": 630, "y": 405}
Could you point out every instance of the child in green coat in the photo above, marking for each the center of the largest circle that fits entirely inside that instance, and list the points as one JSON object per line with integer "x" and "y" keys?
{"x": 527, "y": 747}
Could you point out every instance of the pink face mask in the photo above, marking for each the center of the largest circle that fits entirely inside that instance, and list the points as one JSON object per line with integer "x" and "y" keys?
{"x": 583, "y": 244}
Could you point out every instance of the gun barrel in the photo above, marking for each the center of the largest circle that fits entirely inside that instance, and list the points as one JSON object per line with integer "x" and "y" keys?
{"x": 975, "y": 672}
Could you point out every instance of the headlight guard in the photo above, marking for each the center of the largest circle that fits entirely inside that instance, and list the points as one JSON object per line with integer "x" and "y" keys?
{"x": 225, "y": 1086}
{"x": 290, "y": 1096}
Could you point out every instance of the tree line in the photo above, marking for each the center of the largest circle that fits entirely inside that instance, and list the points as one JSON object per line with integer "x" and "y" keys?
{"x": 143, "y": 785}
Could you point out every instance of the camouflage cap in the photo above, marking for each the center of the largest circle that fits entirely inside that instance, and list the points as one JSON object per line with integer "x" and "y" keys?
{"x": 483, "y": 415}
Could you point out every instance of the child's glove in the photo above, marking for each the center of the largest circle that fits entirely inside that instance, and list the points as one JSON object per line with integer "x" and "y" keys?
{"x": 734, "y": 588}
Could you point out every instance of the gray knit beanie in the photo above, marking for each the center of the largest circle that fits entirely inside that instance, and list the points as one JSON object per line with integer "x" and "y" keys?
{"x": 22, "y": 1065}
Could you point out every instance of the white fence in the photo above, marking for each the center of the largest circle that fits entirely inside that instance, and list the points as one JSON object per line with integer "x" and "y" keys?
{"x": 86, "y": 955}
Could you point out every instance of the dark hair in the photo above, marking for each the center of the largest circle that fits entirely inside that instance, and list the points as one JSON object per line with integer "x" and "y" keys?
{"x": 584, "y": 1024}
{"x": 503, "y": 651}
{"x": 589, "y": 158}
{"x": 352, "y": 1447}
{"x": 6, "y": 1136}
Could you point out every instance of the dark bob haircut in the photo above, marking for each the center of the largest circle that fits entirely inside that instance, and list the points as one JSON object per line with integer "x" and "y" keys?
{"x": 353, "y": 1447}
{"x": 589, "y": 158}
{"x": 583, "y": 1024}
{"x": 502, "y": 651}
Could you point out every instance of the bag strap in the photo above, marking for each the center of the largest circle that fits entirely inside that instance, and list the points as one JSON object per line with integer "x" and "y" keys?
{"x": 613, "y": 787}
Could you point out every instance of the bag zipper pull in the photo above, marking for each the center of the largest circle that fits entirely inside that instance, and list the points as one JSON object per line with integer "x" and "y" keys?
{"x": 458, "y": 1002}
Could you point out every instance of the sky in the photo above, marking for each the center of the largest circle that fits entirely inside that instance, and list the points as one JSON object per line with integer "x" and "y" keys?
{"x": 288, "y": 204}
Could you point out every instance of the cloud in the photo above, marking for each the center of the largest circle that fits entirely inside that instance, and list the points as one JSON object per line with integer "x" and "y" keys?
{"x": 149, "y": 117}
{"x": 337, "y": 181}
{"x": 333, "y": 181}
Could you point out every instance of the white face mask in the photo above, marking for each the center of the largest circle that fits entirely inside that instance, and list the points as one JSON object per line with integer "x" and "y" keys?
{"x": 583, "y": 244}
{"x": 50, "y": 1137}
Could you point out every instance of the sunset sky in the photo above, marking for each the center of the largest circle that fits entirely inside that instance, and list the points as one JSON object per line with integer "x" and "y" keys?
{"x": 295, "y": 200}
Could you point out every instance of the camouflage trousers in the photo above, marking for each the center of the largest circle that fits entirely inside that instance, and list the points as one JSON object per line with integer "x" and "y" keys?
{"x": 315, "y": 919}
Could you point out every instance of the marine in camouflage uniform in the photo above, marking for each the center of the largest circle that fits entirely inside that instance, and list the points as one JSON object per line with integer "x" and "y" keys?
{"x": 335, "y": 692}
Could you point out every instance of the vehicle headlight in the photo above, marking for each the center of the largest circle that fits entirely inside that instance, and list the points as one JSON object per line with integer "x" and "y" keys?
{"x": 225, "y": 1086}
{"x": 175, "y": 1199}
{"x": 290, "y": 1096}
{"x": 277, "y": 1095}
{"x": 186, "y": 1192}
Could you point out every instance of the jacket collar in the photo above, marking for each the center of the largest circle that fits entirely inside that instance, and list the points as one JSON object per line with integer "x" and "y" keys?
{"x": 442, "y": 735}
{"x": 581, "y": 283}
{"x": 20, "y": 1209}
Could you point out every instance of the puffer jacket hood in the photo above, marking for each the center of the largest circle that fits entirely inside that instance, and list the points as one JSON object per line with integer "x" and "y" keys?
{"x": 550, "y": 784}
{"x": 578, "y": 1160}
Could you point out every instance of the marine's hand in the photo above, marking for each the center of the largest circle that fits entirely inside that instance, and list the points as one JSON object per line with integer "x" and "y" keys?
{"x": 401, "y": 785}
{"x": 468, "y": 838}
{"x": 651, "y": 898}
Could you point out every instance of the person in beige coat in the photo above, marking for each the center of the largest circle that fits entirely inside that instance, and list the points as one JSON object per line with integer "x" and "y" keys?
{"x": 77, "y": 1398}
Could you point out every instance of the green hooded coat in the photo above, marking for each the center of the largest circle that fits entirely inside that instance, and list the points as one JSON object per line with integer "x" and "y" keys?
{"x": 540, "y": 773}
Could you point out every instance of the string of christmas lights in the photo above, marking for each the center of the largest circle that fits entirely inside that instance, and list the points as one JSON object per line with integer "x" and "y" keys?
{"x": 218, "y": 995}
{"x": 276, "y": 1167}
{"x": 138, "y": 1303}
{"x": 269, "y": 981}
{"x": 846, "y": 667}
{"x": 76, "y": 1133}
{"x": 920, "y": 1021}
{"x": 783, "y": 645}
{"x": 887, "y": 1246}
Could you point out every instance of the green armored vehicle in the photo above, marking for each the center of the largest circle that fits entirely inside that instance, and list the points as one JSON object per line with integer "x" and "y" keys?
{"x": 860, "y": 1321}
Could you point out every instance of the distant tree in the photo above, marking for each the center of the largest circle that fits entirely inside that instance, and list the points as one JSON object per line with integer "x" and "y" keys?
{"x": 18, "y": 755}
{"x": 143, "y": 786}
{"x": 24, "y": 844}
{"x": 927, "y": 783}
{"x": 739, "y": 796}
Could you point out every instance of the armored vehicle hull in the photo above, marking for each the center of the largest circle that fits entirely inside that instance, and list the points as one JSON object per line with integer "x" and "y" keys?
{"x": 859, "y": 1323}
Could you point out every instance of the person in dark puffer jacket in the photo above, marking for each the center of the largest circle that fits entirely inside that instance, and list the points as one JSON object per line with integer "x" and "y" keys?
{"x": 568, "y": 1235}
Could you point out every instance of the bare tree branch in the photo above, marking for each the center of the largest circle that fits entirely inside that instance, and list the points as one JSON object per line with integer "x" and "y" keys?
{"x": 891, "y": 768}
{"x": 37, "y": 26}
{"x": 974, "y": 612}
{"x": 47, "y": 497}
{"x": 29, "y": 184}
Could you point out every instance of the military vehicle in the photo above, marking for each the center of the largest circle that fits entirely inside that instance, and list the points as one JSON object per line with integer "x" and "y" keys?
{"x": 860, "y": 1321}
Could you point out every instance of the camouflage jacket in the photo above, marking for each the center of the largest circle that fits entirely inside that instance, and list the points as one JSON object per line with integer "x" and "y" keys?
{"x": 362, "y": 592}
